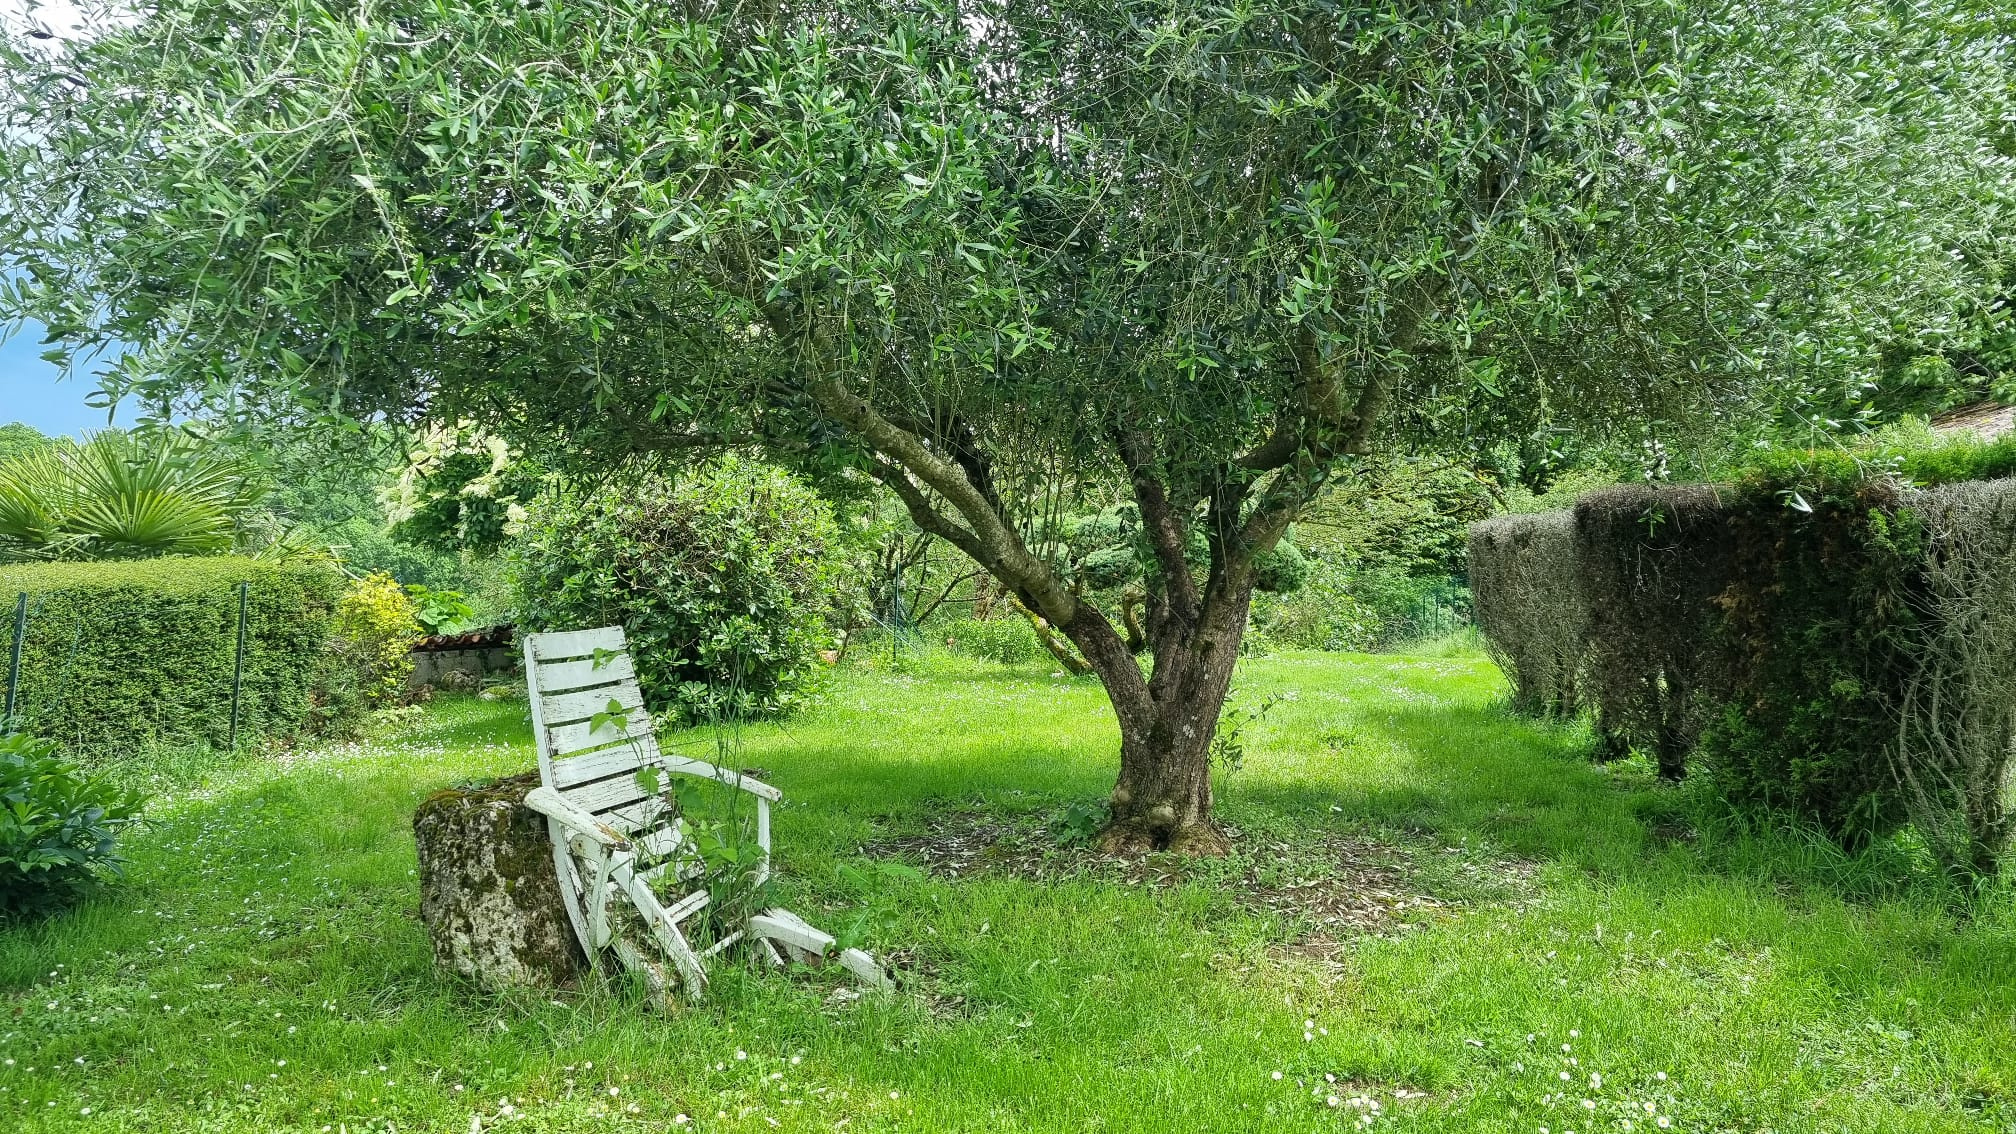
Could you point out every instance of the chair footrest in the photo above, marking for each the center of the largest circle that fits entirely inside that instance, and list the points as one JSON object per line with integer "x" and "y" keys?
{"x": 865, "y": 969}
{"x": 790, "y": 930}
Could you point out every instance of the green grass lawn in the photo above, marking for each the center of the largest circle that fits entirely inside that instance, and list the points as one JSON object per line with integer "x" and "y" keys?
{"x": 1592, "y": 963}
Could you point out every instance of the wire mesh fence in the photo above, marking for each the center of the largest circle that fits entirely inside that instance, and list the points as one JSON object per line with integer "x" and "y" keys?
{"x": 107, "y": 658}
{"x": 27, "y": 701}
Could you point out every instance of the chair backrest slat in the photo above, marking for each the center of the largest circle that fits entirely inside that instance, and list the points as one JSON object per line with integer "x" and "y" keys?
{"x": 564, "y": 644}
{"x": 582, "y": 673}
{"x": 581, "y": 736}
{"x": 586, "y": 704}
{"x": 601, "y": 763}
{"x": 608, "y": 794}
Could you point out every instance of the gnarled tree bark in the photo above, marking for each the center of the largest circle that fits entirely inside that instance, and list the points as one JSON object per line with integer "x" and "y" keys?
{"x": 1162, "y": 800}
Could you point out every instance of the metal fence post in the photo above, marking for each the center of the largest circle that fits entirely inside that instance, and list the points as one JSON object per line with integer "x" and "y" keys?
{"x": 14, "y": 662}
{"x": 238, "y": 665}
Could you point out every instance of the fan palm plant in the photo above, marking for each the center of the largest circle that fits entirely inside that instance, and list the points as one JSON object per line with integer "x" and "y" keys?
{"x": 124, "y": 496}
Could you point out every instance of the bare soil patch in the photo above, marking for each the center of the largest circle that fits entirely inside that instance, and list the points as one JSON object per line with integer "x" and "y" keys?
{"x": 1326, "y": 889}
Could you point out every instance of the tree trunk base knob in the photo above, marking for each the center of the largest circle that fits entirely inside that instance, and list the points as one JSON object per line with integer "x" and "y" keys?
{"x": 489, "y": 894}
{"x": 1129, "y": 838}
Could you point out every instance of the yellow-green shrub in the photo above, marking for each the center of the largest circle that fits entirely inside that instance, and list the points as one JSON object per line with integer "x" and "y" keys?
{"x": 375, "y": 626}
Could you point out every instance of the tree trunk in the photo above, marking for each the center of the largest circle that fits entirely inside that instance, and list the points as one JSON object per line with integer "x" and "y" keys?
{"x": 1163, "y": 798}
{"x": 1162, "y": 801}
{"x": 488, "y": 892}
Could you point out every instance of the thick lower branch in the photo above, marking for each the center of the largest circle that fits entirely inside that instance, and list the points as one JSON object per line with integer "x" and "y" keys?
{"x": 994, "y": 543}
{"x": 1130, "y": 617}
{"x": 1167, "y": 532}
{"x": 923, "y": 514}
{"x": 1058, "y": 649}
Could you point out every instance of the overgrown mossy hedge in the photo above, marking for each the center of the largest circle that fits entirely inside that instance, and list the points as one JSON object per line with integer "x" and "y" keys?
{"x": 119, "y": 654}
{"x": 1523, "y": 584}
{"x": 1823, "y": 637}
{"x": 1817, "y": 629}
{"x": 1647, "y": 561}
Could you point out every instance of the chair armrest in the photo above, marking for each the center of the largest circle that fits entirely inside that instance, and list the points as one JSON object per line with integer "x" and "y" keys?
{"x": 554, "y": 806}
{"x": 687, "y": 766}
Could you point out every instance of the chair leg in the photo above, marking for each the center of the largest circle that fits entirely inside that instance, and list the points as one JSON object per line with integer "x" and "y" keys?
{"x": 780, "y": 926}
{"x": 664, "y": 925}
{"x": 866, "y": 969}
{"x": 763, "y": 839}
{"x": 598, "y": 896}
{"x": 572, "y": 893}
{"x": 656, "y": 980}
{"x": 792, "y": 932}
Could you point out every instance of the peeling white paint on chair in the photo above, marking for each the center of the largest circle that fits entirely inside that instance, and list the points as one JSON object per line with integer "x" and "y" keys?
{"x": 616, "y": 834}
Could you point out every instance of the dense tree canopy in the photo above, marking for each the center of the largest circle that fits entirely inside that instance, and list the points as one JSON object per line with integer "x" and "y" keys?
{"x": 984, "y": 251}
{"x": 17, "y": 438}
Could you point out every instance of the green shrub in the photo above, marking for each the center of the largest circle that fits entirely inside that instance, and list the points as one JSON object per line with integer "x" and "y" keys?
{"x": 1824, "y": 641}
{"x": 1909, "y": 451}
{"x": 1650, "y": 561}
{"x": 140, "y": 651}
{"x": 441, "y": 611}
{"x": 1004, "y": 640}
{"x": 371, "y": 639}
{"x": 723, "y": 581}
{"x": 460, "y": 491}
{"x": 1323, "y": 614}
{"x": 1281, "y": 569}
{"x": 1956, "y": 738}
{"x": 1355, "y": 606}
{"x": 124, "y": 495}
{"x": 57, "y": 827}
{"x": 1532, "y": 607}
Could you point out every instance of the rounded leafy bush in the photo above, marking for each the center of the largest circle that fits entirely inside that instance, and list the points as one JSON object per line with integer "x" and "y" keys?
{"x": 57, "y": 827}
{"x": 722, "y": 578}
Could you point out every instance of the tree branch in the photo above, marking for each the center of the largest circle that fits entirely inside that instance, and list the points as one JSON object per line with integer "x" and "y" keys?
{"x": 1130, "y": 603}
{"x": 944, "y": 596}
{"x": 1077, "y": 665}
{"x": 974, "y": 462}
{"x": 1167, "y": 532}
{"x": 1278, "y": 449}
{"x": 1330, "y": 430}
{"x": 1294, "y": 429}
{"x": 988, "y": 538}
{"x": 921, "y": 512}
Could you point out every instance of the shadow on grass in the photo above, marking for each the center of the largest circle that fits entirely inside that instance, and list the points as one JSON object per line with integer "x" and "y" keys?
{"x": 1464, "y": 770}
{"x": 1528, "y": 787}
{"x": 1471, "y": 772}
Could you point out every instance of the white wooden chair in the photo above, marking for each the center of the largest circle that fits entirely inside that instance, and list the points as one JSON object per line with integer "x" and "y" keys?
{"x": 614, "y": 837}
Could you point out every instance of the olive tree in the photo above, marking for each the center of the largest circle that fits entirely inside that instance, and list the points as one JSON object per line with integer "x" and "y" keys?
{"x": 983, "y": 250}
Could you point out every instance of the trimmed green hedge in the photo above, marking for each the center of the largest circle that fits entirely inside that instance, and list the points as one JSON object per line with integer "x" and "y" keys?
{"x": 119, "y": 653}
